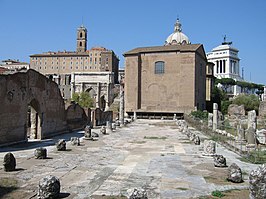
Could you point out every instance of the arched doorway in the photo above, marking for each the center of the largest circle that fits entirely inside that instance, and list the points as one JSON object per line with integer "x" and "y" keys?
{"x": 92, "y": 94}
{"x": 34, "y": 122}
{"x": 102, "y": 103}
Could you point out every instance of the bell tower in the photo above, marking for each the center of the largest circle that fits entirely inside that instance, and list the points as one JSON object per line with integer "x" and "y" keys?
{"x": 81, "y": 39}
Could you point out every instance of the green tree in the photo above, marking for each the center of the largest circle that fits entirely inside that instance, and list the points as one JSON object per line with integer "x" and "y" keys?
{"x": 83, "y": 99}
{"x": 226, "y": 82}
{"x": 250, "y": 102}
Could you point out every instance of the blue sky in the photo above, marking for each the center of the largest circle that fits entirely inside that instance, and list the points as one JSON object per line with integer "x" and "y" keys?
{"x": 35, "y": 26}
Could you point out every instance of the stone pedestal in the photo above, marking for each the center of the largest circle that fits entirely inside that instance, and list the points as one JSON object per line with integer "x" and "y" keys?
{"x": 108, "y": 127}
{"x": 240, "y": 133}
{"x": 250, "y": 136}
{"x": 252, "y": 119}
{"x": 209, "y": 148}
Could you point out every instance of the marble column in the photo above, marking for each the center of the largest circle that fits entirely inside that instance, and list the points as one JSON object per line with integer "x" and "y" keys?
{"x": 33, "y": 125}
{"x": 215, "y": 116}
{"x": 98, "y": 95}
{"x": 107, "y": 97}
{"x": 122, "y": 105}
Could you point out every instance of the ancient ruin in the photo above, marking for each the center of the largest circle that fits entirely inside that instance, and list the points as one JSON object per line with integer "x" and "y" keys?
{"x": 40, "y": 153}
{"x": 197, "y": 140}
{"x": 49, "y": 188}
{"x": 103, "y": 130}
{"x": 219, "y": 161}
{"x": 234, "y": 173}
{"x": 87, "y": 132}
{"x": 257, "y": 182}
{"x": 138, "y": 194}
{"x": 31, "y": 106}
{"x": 9, "y": 162}
{"x": 75, "y": 141}
{"x": 209, "y": 148}
{"x": 61, "y": 145}
{"x": 75, "y": 116}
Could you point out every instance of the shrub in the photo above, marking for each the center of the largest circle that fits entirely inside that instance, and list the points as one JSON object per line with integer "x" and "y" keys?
{"x": 83, "y": 99}
{"x": 218, "y": 194}
{"x": 250, "y": 102}
{"x": 224, "y": 106}
{"x": 202, "y": 115}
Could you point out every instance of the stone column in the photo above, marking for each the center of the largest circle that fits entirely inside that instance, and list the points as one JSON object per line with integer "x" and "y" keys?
{"x": 81, "y": 87}
{"x": 33, "y": 125}
{"x": 209, "y": 148}
{"x": 108, "y": 127}
{"x": 210, "y": 120}
{"x": 122, "y": 105}
{"x": 252, "y": 120}
{"x": 215, "y": 117}
{"x": 107, "y": 97}
{"x": 135, "y": 115}
{"x": 98, "y": 95}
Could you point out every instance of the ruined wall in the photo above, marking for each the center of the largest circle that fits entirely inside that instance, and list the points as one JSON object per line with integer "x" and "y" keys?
{"x": 101, "y": 117}
{"x": 76, "y": 116}
{"x": 17, "y": 92}
{"x": 262, "y": 108}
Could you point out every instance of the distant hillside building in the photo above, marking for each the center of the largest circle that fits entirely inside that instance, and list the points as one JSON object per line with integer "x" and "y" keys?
{"x": 61, "y": 66}
{"x": 166, "y": 80}
{"x": 226, "y": 63}
{"x": 14, "y": 65}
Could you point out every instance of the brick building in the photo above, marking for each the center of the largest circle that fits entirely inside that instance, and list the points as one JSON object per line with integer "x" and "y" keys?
{"x": 166, "y": 80}
{"x": 60, "y": 65}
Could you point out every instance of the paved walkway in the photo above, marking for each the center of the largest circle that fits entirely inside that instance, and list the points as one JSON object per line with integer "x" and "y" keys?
{"x": 150, "y": 154}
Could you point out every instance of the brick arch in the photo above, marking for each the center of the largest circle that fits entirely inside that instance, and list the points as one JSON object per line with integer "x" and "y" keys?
{"x": 31, "y": 88}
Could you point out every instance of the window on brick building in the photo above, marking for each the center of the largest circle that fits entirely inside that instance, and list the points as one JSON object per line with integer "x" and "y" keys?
{"x": 159, "y": 67}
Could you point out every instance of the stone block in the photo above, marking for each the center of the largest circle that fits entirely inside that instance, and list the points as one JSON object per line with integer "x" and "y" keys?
{"x": 49, "y": 188}
{"x": 40, "y": 153}
{"x": 219, "y": 161}
{"x": 257, "y": 183}
{"x": 61, "y": 145}
{"x": 9, "y": 162}
{"x": 75, "y": 141}
{"x": 234, "y": 173}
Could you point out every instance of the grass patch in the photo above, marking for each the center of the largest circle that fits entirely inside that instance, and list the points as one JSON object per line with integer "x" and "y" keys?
{"x": 182, "y": 188}
{"x": 255, "y": 157}
{"x": 218, "y": 194}
{"x": 138, "y": 142}
{"x": 8, "y": 182}
{"x": 186, "y": 142}
{"x": 155, "y": 138}
{"x": 209, "y": 178}
{"x": 7, "y": 185}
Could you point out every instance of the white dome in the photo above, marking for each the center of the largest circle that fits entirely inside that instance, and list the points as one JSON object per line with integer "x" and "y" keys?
{"x": 177, "y": 37}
